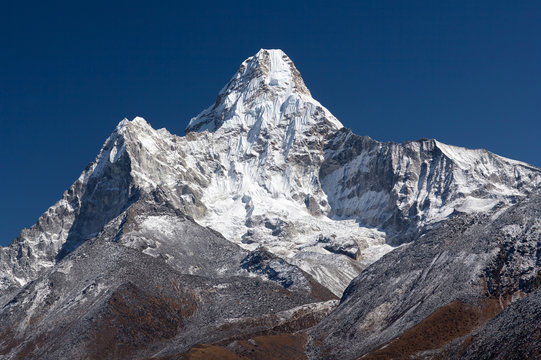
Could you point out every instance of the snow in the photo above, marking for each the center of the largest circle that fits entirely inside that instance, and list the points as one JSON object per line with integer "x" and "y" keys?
{"x": 472, "y": 204}
{"x": 287, "y": 95}
{"x": 312, "y": 307}
{"x": 21, "y": 282}
{"x": 160, "y": 224}
{"x": 512, "y": 230}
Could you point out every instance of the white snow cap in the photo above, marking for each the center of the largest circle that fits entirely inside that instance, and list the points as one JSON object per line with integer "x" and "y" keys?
{"x": 268, "y": 79}
{"x": 277, "y": 70}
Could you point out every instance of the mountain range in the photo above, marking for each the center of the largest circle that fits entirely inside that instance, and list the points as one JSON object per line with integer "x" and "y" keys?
{"x": 272, "y": 231}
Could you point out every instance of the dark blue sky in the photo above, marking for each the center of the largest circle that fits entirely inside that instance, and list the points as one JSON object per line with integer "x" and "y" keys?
{"x": 465, "y": 72}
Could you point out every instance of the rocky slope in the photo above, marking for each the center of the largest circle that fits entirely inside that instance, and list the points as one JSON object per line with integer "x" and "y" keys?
{"x": 514, "y": 334}
{"x": 441, "y": 287}
{"x": 406, "y": 188}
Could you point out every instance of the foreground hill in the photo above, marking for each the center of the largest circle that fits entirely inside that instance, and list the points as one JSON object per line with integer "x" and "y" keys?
{"x": 443, "y": 288}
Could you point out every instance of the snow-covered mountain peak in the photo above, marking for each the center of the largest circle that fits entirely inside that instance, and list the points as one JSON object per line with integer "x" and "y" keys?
{"x": 271, "y": 71}
{"x": 135, "y": 127}
{"x": 267, "y": 91}
{"x": 126, "y": 123}
{"x": 277, "y": 71}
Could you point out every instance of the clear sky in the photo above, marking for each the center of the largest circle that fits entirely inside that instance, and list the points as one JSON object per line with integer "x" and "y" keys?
{"x": 467, "y": 73}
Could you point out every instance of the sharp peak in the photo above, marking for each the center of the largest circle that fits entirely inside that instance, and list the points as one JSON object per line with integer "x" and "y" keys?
{"x": 126, "y": 131}
{"x": 263, "y": 52}
{"x": 273, "y": 68}
{"x": 134, "y": 130}
{"x": 136, "y": 121}
{"x": 264, "y": 57}
{"x": 135, "y": 126}
{"x": 268, "y": 76}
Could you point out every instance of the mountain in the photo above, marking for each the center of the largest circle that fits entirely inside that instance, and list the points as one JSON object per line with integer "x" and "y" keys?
{"x": 268, "y": 165}
{"x": 252, "y": 224}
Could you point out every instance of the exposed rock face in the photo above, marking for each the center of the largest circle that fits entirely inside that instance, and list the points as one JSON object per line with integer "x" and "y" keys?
{"x": 472, "y": 264}
{"x": 104, "y": 189}
{"x": 406, "y": 188}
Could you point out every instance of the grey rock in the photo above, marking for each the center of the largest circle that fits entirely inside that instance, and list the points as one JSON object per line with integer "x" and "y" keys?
{"x": 468, "y": 259}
